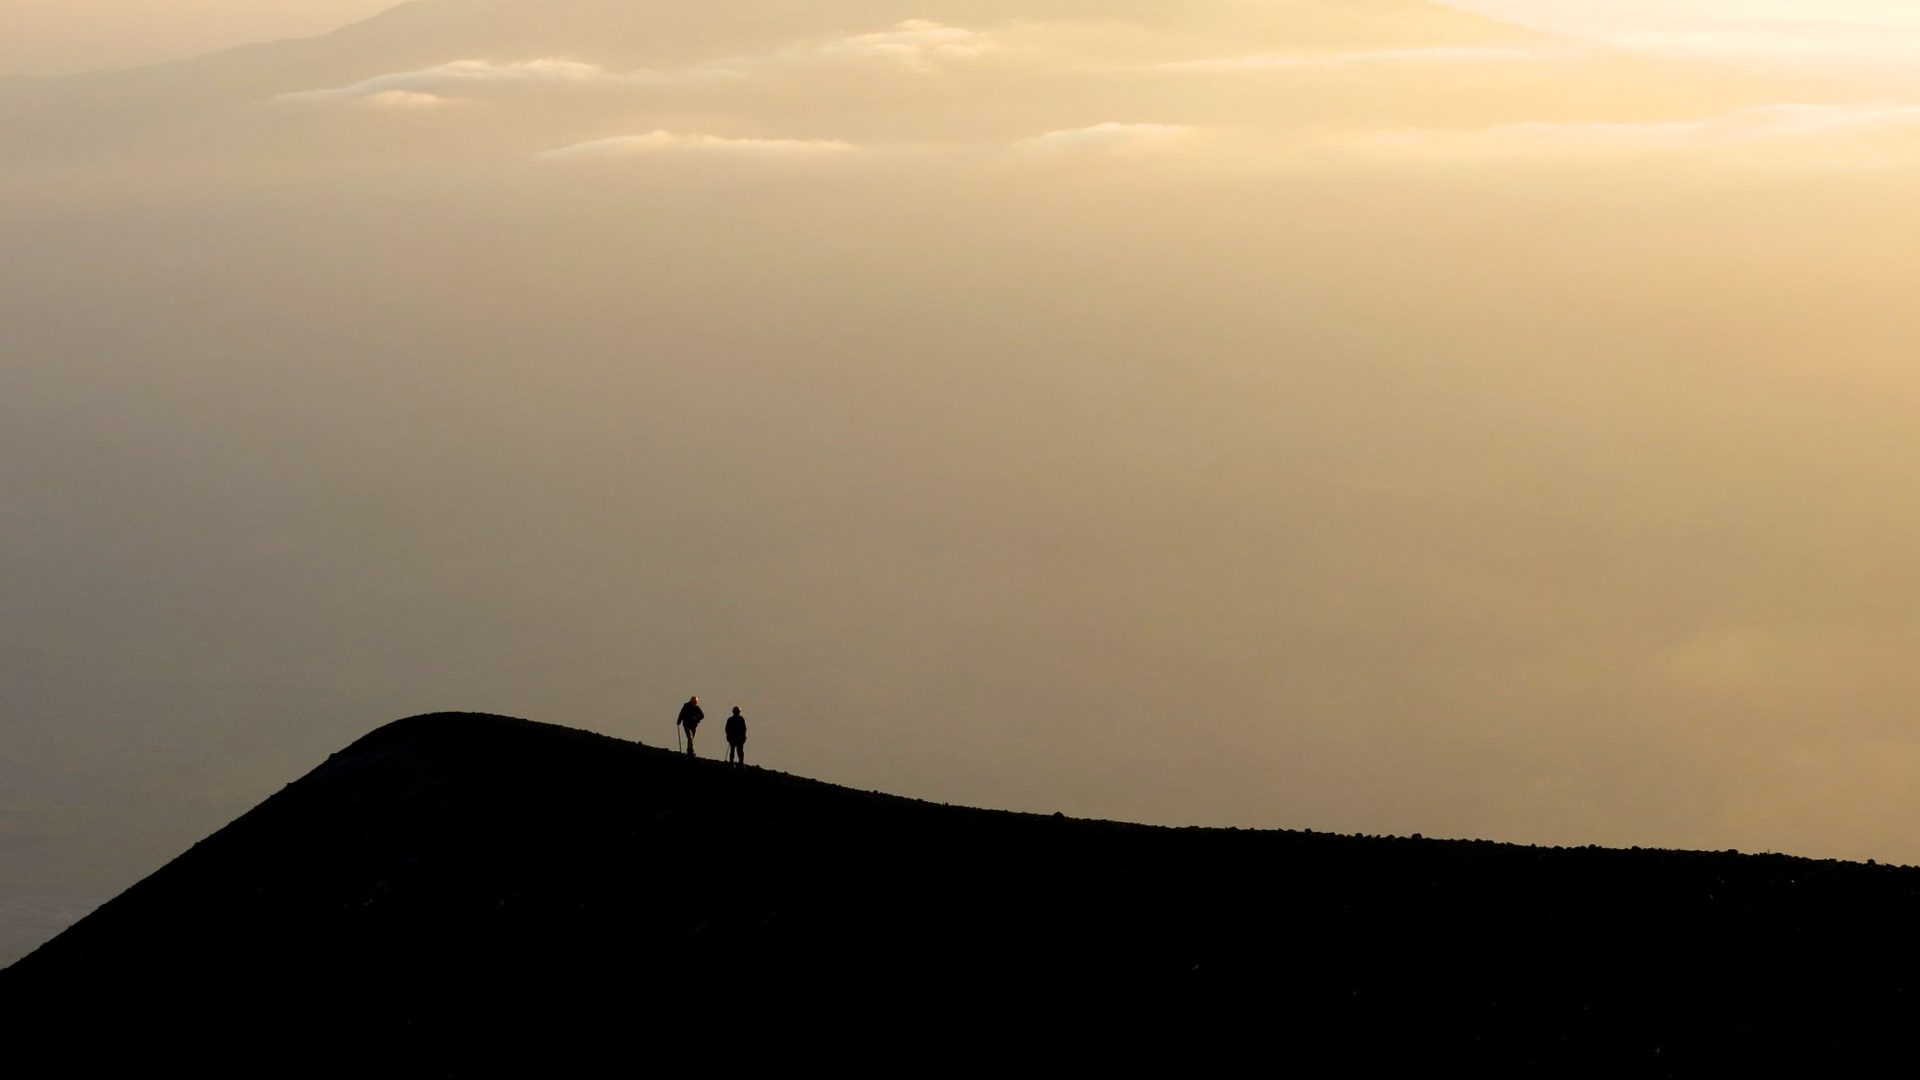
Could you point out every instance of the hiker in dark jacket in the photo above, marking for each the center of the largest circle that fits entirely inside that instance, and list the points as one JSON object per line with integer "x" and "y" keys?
{"x": 736, "y": 738}
{"x": 690, "y": 717}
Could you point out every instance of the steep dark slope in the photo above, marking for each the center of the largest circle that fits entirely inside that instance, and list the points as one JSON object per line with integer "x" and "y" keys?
{"x": 456, "y": 894}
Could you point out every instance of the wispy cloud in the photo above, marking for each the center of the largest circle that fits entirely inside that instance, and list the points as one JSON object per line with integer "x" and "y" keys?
{"x": 1324, "y": 61}
{"x": 474, "y": 74}
{"x": 668, "y": 142}
{"x": 407, "y": 99}
{"x": 1111, "y": 137}
{"x": 917, "y": 44}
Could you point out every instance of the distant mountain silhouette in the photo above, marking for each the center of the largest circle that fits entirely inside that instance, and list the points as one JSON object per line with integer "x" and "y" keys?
{"x": 686, "y": 31}
{"x": 463, "y": 894}
{"x": 213, "y": 103}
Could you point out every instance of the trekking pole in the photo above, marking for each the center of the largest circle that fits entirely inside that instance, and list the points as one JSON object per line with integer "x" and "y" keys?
{"x": 677, "y": 748}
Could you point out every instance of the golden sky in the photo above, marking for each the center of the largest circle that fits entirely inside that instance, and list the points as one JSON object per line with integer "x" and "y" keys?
{"x": 54, "y": 36}
{"x": 58, "y": 36}
{"x": 1361, "y": 416}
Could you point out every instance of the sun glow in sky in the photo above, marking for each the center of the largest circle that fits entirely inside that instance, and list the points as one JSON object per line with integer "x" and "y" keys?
{"x": 1828, "y": 32}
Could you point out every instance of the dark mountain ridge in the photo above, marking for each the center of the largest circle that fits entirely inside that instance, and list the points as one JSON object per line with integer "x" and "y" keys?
{"x": 462, "y": 894}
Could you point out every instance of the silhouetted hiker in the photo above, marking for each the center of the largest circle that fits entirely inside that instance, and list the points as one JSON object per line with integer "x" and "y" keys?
{"x": 736, "y": 738}
{"x": 690, "y": 717}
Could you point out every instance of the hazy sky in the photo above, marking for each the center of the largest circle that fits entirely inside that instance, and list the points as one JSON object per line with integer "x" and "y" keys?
{"x": 1352, "y": 415}
{"x": 54, "y": 36}
{"x": 57, "y": 36}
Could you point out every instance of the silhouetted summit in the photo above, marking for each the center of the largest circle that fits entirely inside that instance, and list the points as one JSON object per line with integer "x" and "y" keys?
{"x": 462, "y": 894}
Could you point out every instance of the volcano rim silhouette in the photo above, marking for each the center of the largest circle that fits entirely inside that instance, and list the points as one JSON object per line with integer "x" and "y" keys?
{"x": 458, "y": 890}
